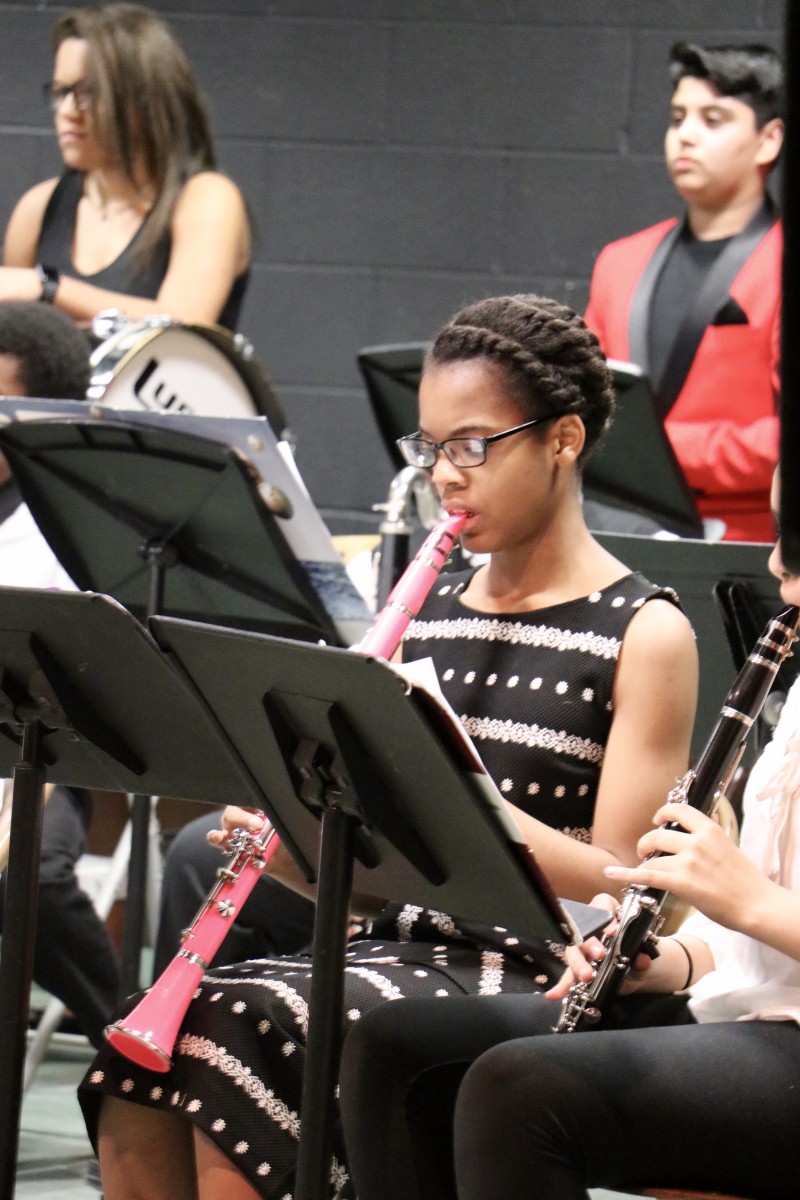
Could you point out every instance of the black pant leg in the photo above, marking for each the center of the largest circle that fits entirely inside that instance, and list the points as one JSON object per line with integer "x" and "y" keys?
{"x": 74, "y": 957}
{"x": 700, "y": 1107}
{"x": 401, "y": 1069}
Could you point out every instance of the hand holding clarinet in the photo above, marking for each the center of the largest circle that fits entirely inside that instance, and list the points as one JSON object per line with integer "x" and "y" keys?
{"x": 698, "y": 863}
{"x": 687, "y": 855}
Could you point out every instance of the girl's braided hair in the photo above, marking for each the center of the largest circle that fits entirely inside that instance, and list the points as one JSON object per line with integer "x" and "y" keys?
{"x": 553, "y": 363}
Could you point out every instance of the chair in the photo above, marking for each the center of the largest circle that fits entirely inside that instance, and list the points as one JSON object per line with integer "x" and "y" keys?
{"x": 680, "y": 1194}
{"x": 104, "y": 880}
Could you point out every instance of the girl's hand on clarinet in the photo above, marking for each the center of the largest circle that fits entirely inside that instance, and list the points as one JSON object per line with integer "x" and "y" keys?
{"x": 580, "y": 960}
{"x": 697, "y": 862}
{"x": 232, "y": 818}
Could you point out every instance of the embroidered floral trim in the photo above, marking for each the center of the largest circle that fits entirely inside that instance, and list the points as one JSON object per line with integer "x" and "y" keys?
{"x": 486, "y": 629}
{"x": 406, "y": 921}
{"x": 444, "y": 924}
{"x": 580, "y": 835}
{"x": 232, "y": 1068}
{"x": 491, "y": 980}
{"x": 387, "y": 989}
{"x": 389, "y": 960}
{"x": 542, "y": 738}
{"x": 292, "y": 999}
{"x": 339, "y": 1176}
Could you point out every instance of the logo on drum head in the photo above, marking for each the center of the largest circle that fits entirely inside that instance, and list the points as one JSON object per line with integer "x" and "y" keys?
{"x": 152, "y": 394}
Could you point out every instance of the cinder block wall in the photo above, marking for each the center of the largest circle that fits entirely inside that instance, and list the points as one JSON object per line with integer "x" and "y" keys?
{"x": 402, "y": 157}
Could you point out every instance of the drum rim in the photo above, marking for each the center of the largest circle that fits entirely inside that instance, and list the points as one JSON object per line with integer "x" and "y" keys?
{"x": 259, "y": 386}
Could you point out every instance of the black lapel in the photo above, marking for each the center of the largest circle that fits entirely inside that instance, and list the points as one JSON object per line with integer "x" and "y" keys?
{"x": 639, "y": 316}
{"x": 706, "y": 305}
{"x": 10, "y": 500}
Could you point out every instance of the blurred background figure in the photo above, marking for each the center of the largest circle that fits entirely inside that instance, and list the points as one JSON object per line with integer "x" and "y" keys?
{"x": 140, "y": 220}
{"x": 697, "y": 302}
{"x": 41, "y": 354}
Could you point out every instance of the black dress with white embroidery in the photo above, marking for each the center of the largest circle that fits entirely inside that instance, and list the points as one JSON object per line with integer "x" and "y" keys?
{"x": 534, "y": 690}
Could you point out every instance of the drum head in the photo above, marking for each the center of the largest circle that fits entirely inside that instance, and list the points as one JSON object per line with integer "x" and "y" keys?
{"x": 203, "y": 370}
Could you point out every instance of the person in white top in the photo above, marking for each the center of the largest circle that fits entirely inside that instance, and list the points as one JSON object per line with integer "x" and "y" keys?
{"x": 692, "y": 1083}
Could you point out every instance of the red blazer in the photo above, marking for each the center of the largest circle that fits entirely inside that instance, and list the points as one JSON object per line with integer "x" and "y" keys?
{"x": 723, "y": 425}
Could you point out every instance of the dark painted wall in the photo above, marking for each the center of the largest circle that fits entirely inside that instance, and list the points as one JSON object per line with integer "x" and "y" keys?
{"x": 402, "y": 157}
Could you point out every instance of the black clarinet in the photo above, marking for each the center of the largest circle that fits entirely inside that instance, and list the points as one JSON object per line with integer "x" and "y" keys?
{"x": 639, "y": 914}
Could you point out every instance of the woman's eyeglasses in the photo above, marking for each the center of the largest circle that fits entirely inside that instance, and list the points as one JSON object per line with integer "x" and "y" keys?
{"x": 462, "y": 451}
{"x": 80, "y": 91}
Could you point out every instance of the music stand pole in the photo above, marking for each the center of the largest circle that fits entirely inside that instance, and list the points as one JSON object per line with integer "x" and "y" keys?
{"x": 19, "y": 932}
{"x": 159, "y": 556}
{"x": 326, "y": 1002}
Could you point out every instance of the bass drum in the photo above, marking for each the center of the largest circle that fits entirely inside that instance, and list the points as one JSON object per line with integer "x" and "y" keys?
{"x": 161, "y": 365}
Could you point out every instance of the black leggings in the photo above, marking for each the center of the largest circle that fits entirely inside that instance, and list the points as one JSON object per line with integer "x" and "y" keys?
{"x": 710, "y": 1107}
{"x": 74, "y": 957}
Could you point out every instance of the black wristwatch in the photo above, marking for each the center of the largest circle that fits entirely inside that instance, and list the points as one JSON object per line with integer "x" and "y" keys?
{"x": 50, "y": 278}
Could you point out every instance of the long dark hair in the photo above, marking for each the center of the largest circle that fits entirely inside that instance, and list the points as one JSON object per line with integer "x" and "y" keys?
{"x": 148, "y": 109}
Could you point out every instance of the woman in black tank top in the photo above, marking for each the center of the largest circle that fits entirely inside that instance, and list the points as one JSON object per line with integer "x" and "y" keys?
{"x": 140, "y": 221}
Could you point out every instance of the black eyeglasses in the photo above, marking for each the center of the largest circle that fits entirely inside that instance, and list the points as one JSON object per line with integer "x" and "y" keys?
{"x": 462, "y": 451}
{"x": 80, "y": 92}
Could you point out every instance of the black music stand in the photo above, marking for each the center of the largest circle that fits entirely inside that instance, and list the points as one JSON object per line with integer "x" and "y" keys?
{"x": 367, "y": 776}
{"x": 86, "y": 698}
{"x": 168, "y": 522}
{"x": 728, "y": 595}
{"x": 634, "y": 469}
{"x": 165, "y": 522}
{"x": 634, "y": 466}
